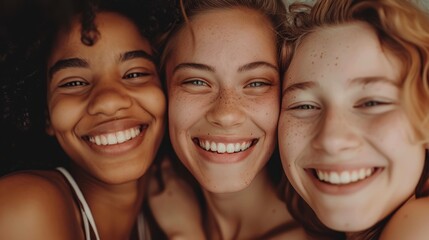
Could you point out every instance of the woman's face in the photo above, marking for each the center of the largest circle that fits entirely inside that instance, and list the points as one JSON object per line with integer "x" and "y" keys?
{"x": 345, "y": 142}
{"x": 223, "y": 95}
{"x": 106, "y": 105}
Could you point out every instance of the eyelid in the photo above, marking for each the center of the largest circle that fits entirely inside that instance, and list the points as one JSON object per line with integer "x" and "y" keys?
{"x": 192, "y": 81}
{"x": 379, "y": 102}
{"x": 260, "y": 83}
{"x": 71, "y": 84}
{"x": 308, "y": 107}
{"x": 69, "y": 80}
{"x": 136, "y": 75}
{"x": 139, "y": 70}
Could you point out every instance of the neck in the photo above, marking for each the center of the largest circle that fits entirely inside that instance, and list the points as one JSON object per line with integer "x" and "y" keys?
{"x": 114, "y": 207}
{"x": 245, "y": 214}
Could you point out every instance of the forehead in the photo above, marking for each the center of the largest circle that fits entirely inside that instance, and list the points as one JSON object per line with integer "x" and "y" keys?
{"x": 347, "y": 51}
{"x": 226, "y": 30}
{"x": 115, "y": 31}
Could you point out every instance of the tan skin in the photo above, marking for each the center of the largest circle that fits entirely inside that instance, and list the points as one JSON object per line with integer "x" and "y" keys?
{"x": 110, "y": 89}
{"x": 225, "y": 89}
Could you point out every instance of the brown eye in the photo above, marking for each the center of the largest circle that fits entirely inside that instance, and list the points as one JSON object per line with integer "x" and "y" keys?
{"x": 73, "y": 84}
{"x": 136, "y": 75}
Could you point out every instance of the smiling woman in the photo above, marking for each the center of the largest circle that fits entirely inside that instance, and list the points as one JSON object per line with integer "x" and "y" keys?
{"x": 221, "y": 64}
{"x": 354, "y": 119}
{"x": 106, "y": 108}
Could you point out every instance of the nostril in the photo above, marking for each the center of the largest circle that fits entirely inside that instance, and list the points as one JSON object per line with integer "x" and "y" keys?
{"x": 226, "y": 116}
{"x": 108, "y": 102}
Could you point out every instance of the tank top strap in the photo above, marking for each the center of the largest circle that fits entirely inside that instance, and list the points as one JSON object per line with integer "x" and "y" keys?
{"x": 143, "y": 228}
{"x": 87, "y": 218}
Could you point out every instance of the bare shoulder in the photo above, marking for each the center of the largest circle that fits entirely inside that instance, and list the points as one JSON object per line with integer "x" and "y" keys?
{"x": 409, "y": 222}
{"x": 36, "y": 205}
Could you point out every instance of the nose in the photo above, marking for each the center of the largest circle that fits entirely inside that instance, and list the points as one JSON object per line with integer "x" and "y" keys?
{"x": 227, "y": 110}
{"x": 335, "y": 134}
{"x": 107, "y": 99}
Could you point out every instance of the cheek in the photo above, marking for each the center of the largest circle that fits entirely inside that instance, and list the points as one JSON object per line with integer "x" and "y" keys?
{"x": 153, "y": 100}
{"x": 64, "y": 114}
{"x": 392, "y": 133}
{"x": 184, "y": 111}
{"x": 265, "y": 112}
{"x": 293, "y": 138}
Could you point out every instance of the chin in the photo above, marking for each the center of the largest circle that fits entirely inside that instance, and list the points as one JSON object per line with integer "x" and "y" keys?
{"x": 226, "y": 187}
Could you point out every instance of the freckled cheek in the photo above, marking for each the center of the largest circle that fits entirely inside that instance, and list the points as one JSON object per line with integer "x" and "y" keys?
{"x": 293, "y": 137}
{"x": 183, "y": 112}
{"x": 266, "y": 112}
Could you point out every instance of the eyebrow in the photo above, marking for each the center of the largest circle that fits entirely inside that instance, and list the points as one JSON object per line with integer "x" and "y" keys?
{"x": 191, "y": 65}
{"x": 373, "y": 80}
{"x": 81, "y": 63}
{"x": 67, "y": 63}
{"x": 299, "y": 86}
{"x": 356, "y": 81}
{"x": 137, "y": 54}
{"x": 204, "y": 67}
{"x": 254, "y": 65}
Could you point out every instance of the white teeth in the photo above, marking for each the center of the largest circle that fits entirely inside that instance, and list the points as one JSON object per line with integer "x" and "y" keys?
{"x": 221, "y": 148}
{"x": 111, "y": 139}
{"x": 121, "y": 137}
{"x": 224, "y": 147}
{"x": 213, "y": 147}
{"x": 344, "y": 177}
{"x": 116, "y": 137}
{"x": 230, "y": 148}
{"x": 237, "y": 147}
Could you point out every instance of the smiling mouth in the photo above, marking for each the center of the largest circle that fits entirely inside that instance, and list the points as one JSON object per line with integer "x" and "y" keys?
{"x": 114, "y": 138}
{"x": 344, "y": 177}
{"x": 219, "y": 147}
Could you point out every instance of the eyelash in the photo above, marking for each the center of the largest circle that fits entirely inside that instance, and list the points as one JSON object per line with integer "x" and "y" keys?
{"x": 73, "y": 84}
{"x": 371, "y": 103}
{"x": 196, "y": 82}
{"x": 258, "y": 84}
{"x": 304, "y": 107}
{"x": 136, "y": 75}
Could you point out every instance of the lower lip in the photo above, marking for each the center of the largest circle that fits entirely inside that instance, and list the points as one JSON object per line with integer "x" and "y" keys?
{"x": 343, "y": 188}
{"x": 120, "y": 148}
{"x": 224, "y": 158}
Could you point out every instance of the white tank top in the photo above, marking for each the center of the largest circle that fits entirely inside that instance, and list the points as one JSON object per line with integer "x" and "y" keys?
{"x": 87, "y": 218}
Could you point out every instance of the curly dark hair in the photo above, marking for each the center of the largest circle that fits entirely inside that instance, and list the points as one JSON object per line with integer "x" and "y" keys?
{"x": 25, "y": 43}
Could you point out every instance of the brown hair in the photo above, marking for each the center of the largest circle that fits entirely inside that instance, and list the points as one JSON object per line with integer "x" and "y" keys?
{"x": 402, "y": 29}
